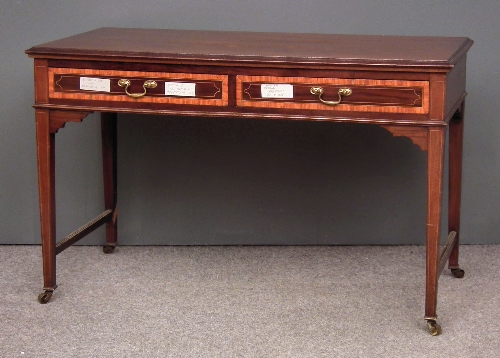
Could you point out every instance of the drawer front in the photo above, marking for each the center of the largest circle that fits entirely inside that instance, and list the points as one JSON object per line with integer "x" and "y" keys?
{"x": 136, "y": 86}
{"x": 335, "y": 94}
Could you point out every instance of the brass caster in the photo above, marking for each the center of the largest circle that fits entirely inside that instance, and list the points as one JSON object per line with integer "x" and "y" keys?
{"x": 434, "y": 328}
{"x": 458, "y": 273}
{"x": 44, "y": 297}
{"x": 107, "y": 249}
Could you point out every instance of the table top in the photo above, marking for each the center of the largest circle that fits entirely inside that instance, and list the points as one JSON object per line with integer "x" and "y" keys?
{"x": 188, "y": 46}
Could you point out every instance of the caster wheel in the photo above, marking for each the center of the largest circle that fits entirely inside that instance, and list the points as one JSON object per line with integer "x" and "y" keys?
{"x": 44, "y": 297}
{"x": 458, "y": 273}
{"x": 107, "y": 249}
{"x": 434, "y": 328}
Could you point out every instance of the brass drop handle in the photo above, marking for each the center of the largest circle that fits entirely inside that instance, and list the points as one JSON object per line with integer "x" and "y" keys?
{"x": 342, "y": 92}
{"x": 147, "y": 84}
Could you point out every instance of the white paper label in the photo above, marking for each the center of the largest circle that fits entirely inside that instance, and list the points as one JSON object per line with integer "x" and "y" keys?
{"x": 180, "y": 89}
{"x": 95, "y": 84}
{"x": 276, "y": 90}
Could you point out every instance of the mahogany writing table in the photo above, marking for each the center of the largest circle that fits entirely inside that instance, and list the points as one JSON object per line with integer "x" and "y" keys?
{"x": 411, "y": 86}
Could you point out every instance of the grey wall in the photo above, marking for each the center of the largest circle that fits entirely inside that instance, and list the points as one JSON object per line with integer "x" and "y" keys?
{"x": 197, "y": 181}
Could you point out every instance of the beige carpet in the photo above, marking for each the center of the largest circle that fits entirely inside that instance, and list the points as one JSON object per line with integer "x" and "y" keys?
{"x": 247, "y": 302}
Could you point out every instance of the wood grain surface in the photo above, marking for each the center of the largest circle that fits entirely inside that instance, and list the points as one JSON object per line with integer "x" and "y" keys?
{"x": 217, "y": 47}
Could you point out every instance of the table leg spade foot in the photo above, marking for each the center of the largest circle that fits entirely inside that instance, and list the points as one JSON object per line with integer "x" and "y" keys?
{"x": 458, "y": 272}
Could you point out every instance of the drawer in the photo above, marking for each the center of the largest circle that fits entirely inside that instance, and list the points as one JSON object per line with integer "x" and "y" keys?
{"x": 136, "y": 86}
{"x": 334, "y": 94}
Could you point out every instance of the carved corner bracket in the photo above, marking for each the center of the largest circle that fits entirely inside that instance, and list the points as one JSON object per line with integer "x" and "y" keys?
{"x": 417, "y": 135}
{"x": 58, "y": 119}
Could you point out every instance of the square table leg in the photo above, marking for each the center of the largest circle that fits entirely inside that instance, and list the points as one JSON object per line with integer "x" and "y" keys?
{"x": 108, "y": 133}
{"x": 435, "y": 161}
{"x": 455, "y": 186}
{"x": 45, "y": 140}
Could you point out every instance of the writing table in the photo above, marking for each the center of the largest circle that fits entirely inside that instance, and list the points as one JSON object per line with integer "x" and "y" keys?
{"x": 411, "y": 86}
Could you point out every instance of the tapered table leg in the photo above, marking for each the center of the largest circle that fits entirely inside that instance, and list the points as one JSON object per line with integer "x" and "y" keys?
{"x": 455, "y": 186}
{"x": 45, "y": 141}
{"x": 108, "y": 132}
{"x": 434, "y": 194}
